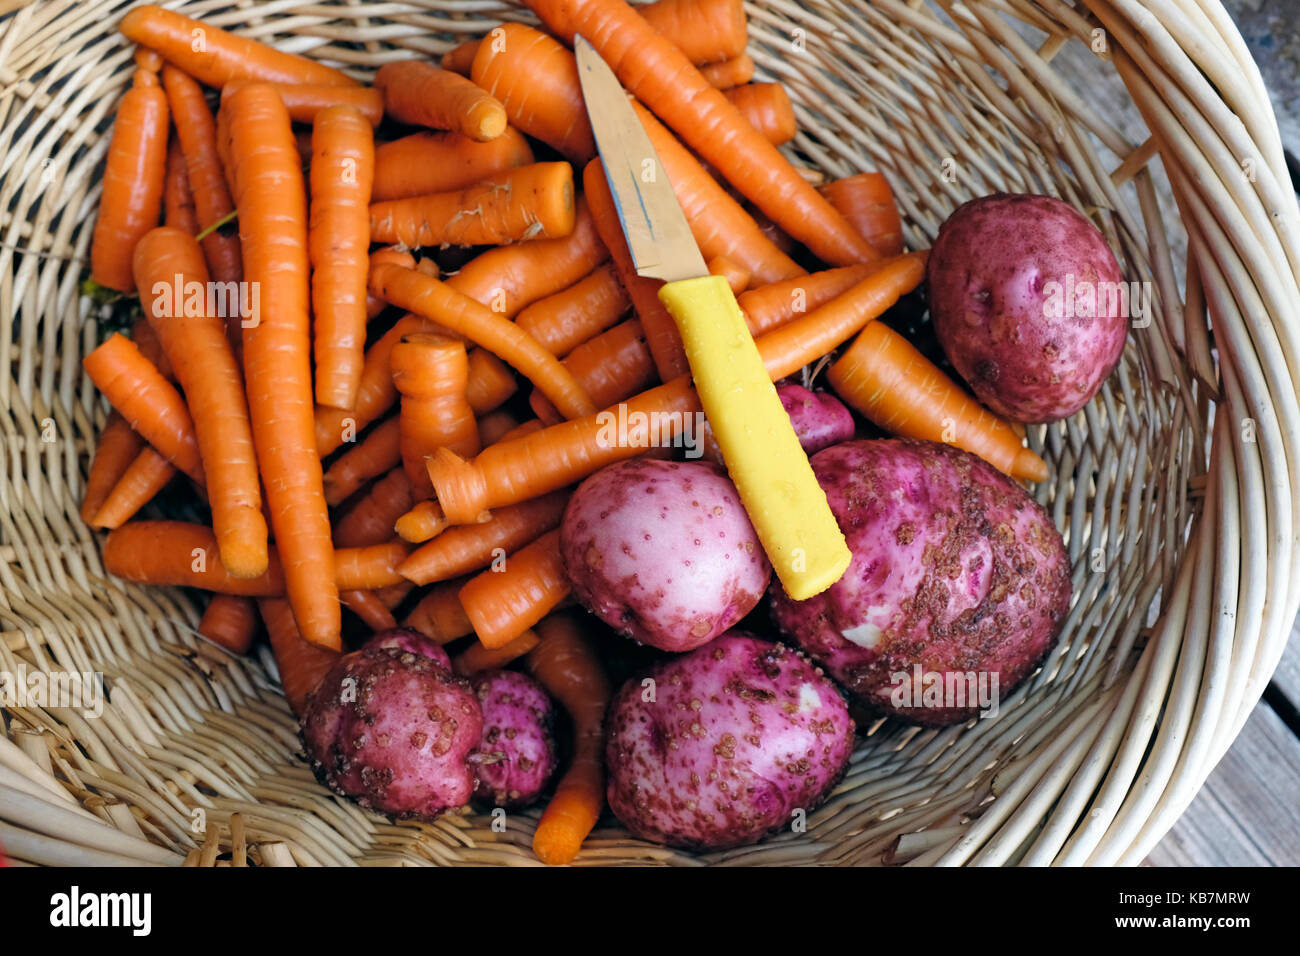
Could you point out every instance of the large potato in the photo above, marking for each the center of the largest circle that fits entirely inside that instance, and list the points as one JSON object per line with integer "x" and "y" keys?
{"x": 958, "y": 577}
{"x": 1025, "y": 295}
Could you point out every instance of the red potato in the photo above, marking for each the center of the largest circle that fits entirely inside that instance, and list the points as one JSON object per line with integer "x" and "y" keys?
{"x": 410, "y": 640}
{"x": 515, "y": 758}
{"x": 819, "y": 418}
{"x": 663, "y": 552}
{"x": 958, "y": 580}
{"x": 393, "y": 730}
{"x": 724, "y": 744}
{"x": 1029, "y": 304}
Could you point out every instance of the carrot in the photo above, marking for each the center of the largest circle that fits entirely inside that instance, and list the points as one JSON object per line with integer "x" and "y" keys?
{"x": 536, "y": 81}
{"x": 394, "y": 595}
{"x": 511, "y": 277}
{"x": 705, "y": 30}
{"x": 230, "y": 622}
{"x": 302, "y": 664}
{"x": 430, "y": 373}
{"x": 149, "y": 403}
{"x": 460, "y": 58}
{"x": 426, "y": 163}
{"x": 770, "y": 306}
{"x": 115, "y": 450}
{"x": 371, "y": 519}
{"x": 509, "y": 472}
{"x": 527, "y": 202}
{"x": 146, "y": 340}
{"x": 306, "y": 101}
{"x": 567, "y": 665}
{"x": 442, "y": 304}
{"x": 424, "y": 521}
{"x": 493, "y": 425}
{"x": 374, "y": 455}
{"x": 611, "y": 367}
{"x": 477, "y": 658}
{"x": 503, "y": 603}
{"x": 729, "y": 73}
{"x": 867, "y": 202}
{"x": 369, "y": 566}
{"x": 133, "y": 181}
{"x": 273, "y": 232}
{"x": 885, "y": 378}
{"x": 737, "y": 276}
{"x": 168, "y": 261}
{"x": 183, "y": 555}
{"x": 178, "y": 202}
{"x": 469, "y": 547}
{"x": 565, "y": 320}
{"x": 342, "y": 167}
{"x": 418, "y": 93}
{"x": 215, "y": 57}
{"x": 387, "y": 254}
{"x": 767, "y": 108}
{"x": 666, "y": 82}
{"x": 367, "y": 606}
{"x": 439, "y": 613}
{"x": 147, "y": 475}
{"x": 490, "y": 382}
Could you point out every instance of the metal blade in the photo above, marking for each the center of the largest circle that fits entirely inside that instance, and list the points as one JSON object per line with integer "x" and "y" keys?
{"x": 657, "y": 234}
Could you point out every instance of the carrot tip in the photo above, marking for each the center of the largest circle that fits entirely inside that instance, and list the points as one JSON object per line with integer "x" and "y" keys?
{"x": 1029, "y": 466}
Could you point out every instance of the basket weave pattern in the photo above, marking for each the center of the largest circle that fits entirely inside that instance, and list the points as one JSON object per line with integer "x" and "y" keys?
{"x": 1176, "y": 489}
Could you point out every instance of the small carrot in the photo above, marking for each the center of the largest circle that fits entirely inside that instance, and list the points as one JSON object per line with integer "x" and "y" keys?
{"x": 342, "y": 168}
{"x": 472, "y": 546}
{"x": 489, "y": 383}
{"x": 527, "y": 202}
{"x": 424, "y": 163}
{"x": 115, "y": 449}
{"x": 770, "y": 306}
{"x": 423, "y": 522}
{"x": 387, "y": 254}
{"x": 371, "y": 457}
{"x": 371, "y": 520}
{"x": 215, "y": 57}
{"x": 867, "y": 202}
{"x": 146, "y": 476}
{"x": 369, "y": 566}
{"x": 567, "y": 665}
{"x": 885, "y": 378}
{"x": 180, "y": 554}
{"x": 767, "y": 108}
{"x": 418, "y": 93}
{"x": 430, "y": 373}
{"x": 565, "y": 320}
{"x": 737, "y": 276}
{"x": 611, "y": 367}
{"x": 166, "y": 261}
{"x": 707, "y": 31}
{"x": 492, "y": 426}
{"x": 133, "y": 181}
{"x": 503, "y": 603}
{"x": 149, "y": 403}
{"x": 477, "y": 658}
{"x": 442, "y": 304}
{"x": 178, "y": 202}
{"x": 460, "y": 58}
{"x": 305, "y": 101}
{"x": 302, "y": 664}
{"x": 727, "y": 74}
{"x": 146, "y": 340}
{"x": 230, "y": 621}
{"x": 367, "y": 606}
{"x": 439, "y": 614}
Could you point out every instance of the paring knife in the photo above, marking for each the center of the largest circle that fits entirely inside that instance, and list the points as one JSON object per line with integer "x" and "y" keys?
{"x": 777, "y": 486}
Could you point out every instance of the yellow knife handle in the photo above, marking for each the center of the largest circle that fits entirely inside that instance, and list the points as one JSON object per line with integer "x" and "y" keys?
{"x": 777, "y": 486}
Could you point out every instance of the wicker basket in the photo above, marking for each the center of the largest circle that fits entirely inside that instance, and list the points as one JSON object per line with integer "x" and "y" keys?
{"x": 1184, "y": 471}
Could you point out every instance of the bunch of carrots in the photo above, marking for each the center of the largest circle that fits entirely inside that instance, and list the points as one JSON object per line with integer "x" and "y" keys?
{"x": 354, "y": 419}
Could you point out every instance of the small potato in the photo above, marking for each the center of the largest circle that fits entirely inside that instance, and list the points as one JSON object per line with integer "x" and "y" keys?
{"x": 409, "y": 639}
{"x": 819, "y": 418}
{"x": 515, "y": 758}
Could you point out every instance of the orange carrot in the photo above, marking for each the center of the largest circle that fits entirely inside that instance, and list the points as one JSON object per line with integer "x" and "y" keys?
{"x": 424, "y": 521}
{"x": 460, "y": 58}
{"x": 367, "y": 606}
{"x": 493, "y": 425}
{"x": 178, "y": 202}
{"x": 302, "y": 664}
{"x": 767, "y": 108}
{"x": 183, "y": 555}
{"x": 133, "y": 181}
{"x": 215, "y": 57}
{"x": 442, "y": 304}
{"x": 565, "y": 320}
{"x": 146, "y": 340}
{"x": 147, "y": 475}
{"x": 369, "y": 566}
{"x": 426, "y": 163}
{"x": 115, "y": 450}
{"x": 430, "y": 373}
{"x": 477, "y": 658}
{"x": 149, "y": 403}
{"x": 439, "y": 614}
{"x": 770, "y": 306}
{"x": 168, "y": 261}
{"x": 469, "y": 547}
{"x": 342, "y": 167}
{"x": 567, "y": 665}
{"x": 536, "y": 81}
{"x": 705, "y": 30}
{"x": 270, "y": 196}
{"x": 867, "y": 202}
{"x": 503, "y": 603}
{"x": 611, "y": 367}
{"x": 729, "y": 73}
{"x": 527, "y": 202}
{"x": 511, "y": 277}
{"x": 387, "y": 254}
{"x": 885, "y": 378}
{"x": 305, "y": 101}
{"x": 371, "y": 519}
{"x": 395, "y": 595}
{"x": 490, "y": 382}
{"x": 374, "y": 455}
{"x": 416, "y": 92}
{"x": 230, "y": 621}
{"x": 737, "y": 276}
